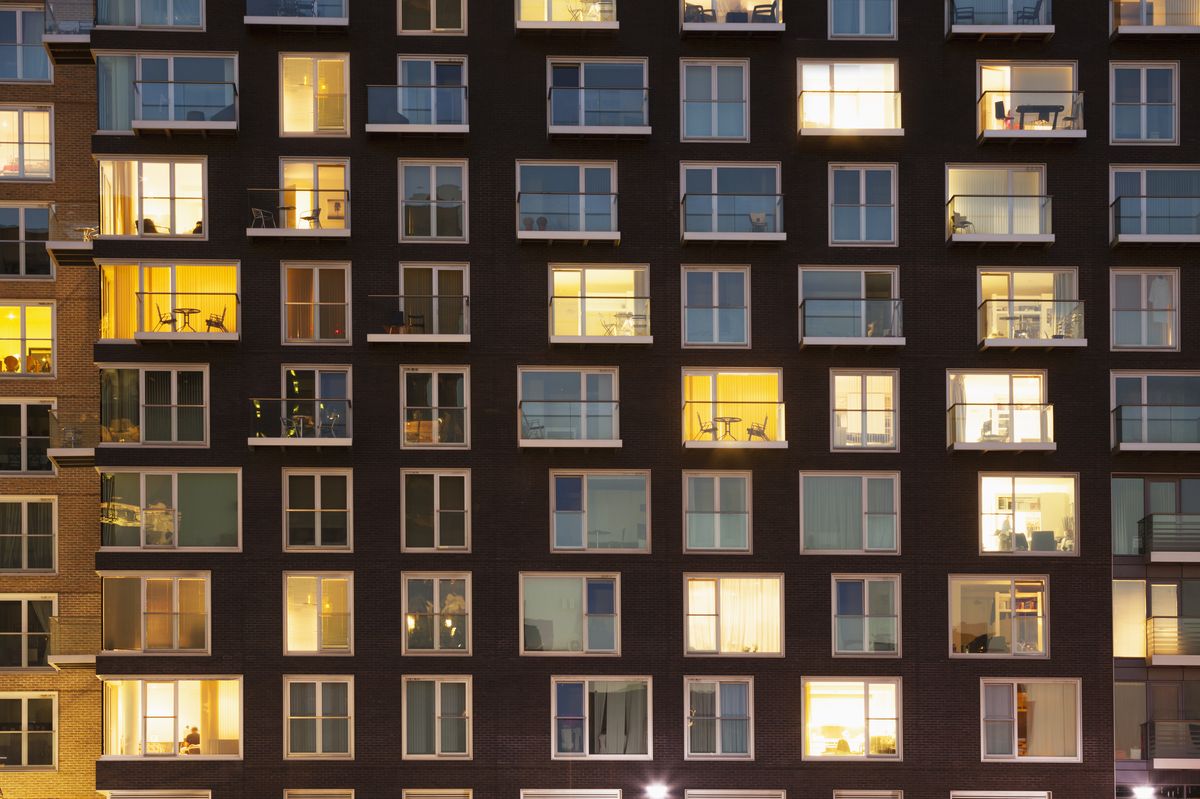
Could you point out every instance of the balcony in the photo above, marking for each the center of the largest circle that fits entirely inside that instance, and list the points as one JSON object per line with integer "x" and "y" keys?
{"x": 732, "y": 217}
{"x": 598, "y": 112}
{"x": 300, "y": 423}
{"x": 1173, "y": 641}
{"x": 585, "y": 217}
{"x": 1170, "y": 537}
{"x": 68, "y": 33}
{"x": 849, "y": 113}
{"x": 600, "y": 319}
{"x": 1023, "y": 114}
{"x": 992, "y": 427}
{"x": 1031, "y": 323}
{"x": 999, "y": 219}
{"x": 400, "y": 318}
{"x": 187, "y": 316}
{"x": 732, "y": 16}
{"x": 299, "y": 213}
{"x": 1155, "y": 17}
{"x": 297, "y": 13}
{"x": 73, "y": 227}
{"x": 417, "y": 109}
{"x": 567, "y": 15}
{"x": 1156, "y": 220}
{"x": 851, "y": 323}
{"x": 73, "y": 438}
{"x": 1172, "y": 744}
{"x": 178, "y": 106}
{"x": 1156, "y": 428}
{"x": 733, "y": 424}
{"x": 1000, "y": 18}
{"x": 74, "y": 642}
{"x": 569, "y": 423}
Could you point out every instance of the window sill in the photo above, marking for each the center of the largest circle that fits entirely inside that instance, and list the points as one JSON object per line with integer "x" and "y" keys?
{"x": 1002, "y": 238}
{"x": 1157, "y": 30}
{"x": 1019, "y": 343}
{"x": 852, "y": 341}
{"x": 298, "y": 233}
{"x": 1157, "y": 447}
{"x": 731, "y": 444}
{"x": 602, "y": 339}
{"x": 1009, "y": 135}
{"x": 1015, "y": 31}
{"x": 292, "y": 441}
{"x": 718, "y": 236}
{"x": 183, "y": 126}
{"x": 598, "y": 130}
{"x": 384, "y": 127}
{"x": 425, "y": 338}
{"x": 585, "y": 236}
{"x": 300, "y": 22}
{"x": 851, "y": 131}
{"x": 549, "y": 443}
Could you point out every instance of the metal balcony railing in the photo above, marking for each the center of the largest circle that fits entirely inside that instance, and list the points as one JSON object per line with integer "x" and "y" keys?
{"x": 566, "y": 212}
{"x": 998, "y": 13}
{"x": 188, "y": 101}
{"x": 1177, "y": 740}
{"x": 1156, "y": 216}
{"x": 1157, "y": 424}
{"x": 1033, "y": 111}
{"x": 851, "y": 318}
{"x": 417, "y": 105}
{"x": 1156, "y": 13}
{"x": 734, "y": 421}
{"x": 856, "y": 428}
{"x": 1172, "y": 635}
{"x": 69, "y": 17}
{"x": 600, "y": 315}
{"x": 737, "y": 12}
{"x": 297, "y": 9}
{"x": 567, "y": 11}
{"x": 621, "y": 107}
{"x": 999, "y": 215}
{"x": 1000, "y": 423}
{"x": 299, "y": 209}
{"x": 74, "y": 636}
{"x": 732, "y": 213}
{"x": 570, "y": 420}
{"x": 849, "y": 110}
{"x": 289, "y": 418}
{"x": 187, "y": 313}
{"x": 419, "y": 314}
{"x": 74, "y": 430}
{"x": 24, "y": 62}
{"x": 1032, "y": 320}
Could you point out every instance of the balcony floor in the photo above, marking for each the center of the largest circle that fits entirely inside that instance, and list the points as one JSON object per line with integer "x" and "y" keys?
{"x": 609, "y": 236}
{"x": 1024, "y": 343}
{"x": 169, "y": 126}
{"x": 732, "y": 444}
{"x": 562, "y": 443}
{"x": 852, "y": 341}
{"x": 1139, "y": 446}
{"x": 198, "y": 338}
{"x": 598, "y": 130}
{"x": 298, "y": 233}
{"x": 1000, "y": 446}
{"x": 1173, "y": 660}
{"x": 1002, "y": 238}
{"x": 292, "y": 441}
{"x": 1174, "y": 557}
{"x": 1156, "y": 238}
{"x": 982, "y": 32}
{"x": 418, "y": 338}
{"x": 1009, "y": 135}
{"x": 602, "y": 340}
{"x": 384, "y": 127}
{"x": 299, "y": 22}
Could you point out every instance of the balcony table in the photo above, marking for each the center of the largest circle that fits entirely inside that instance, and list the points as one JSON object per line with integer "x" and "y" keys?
{"x": 1049, "y": 112}
{"x": 187, "y": 314}
{"x": 729, "y": 422}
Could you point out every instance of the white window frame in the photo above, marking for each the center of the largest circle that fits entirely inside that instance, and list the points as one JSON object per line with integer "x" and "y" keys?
{"x": 317, "y": 680}
{"x": 23, "y": 634}
{"x": 583, "y": 578}
{"x": 314, "y": 58}
{"x": 713, "y": 270}
{"x": 718, "y": 475}
{"x": 433, "y": 60}
{"x": 1000, "y": 795}
{"x": 1047, "y": 429}
{"x": 25, "y": 403}
{"x": 852, "y": 794}
{"x": 436, "y": 270}
{"x": 318, "y": 476}
{"x": 863, "y": 476}
{"x": 779, "y": 406}
{"x": 1174, "y": 313}
{"x": 1142, "y": 66}
{"x": 716, "y": 578}
{"x": 174, "y": 474}
{"x": 864, "y": 578}
{"x": 861, "y": 34}
{"x": 1143, "y": 376}
{"x": 314, "y": 227}
{"x": 174, "y": 577}
{"x": 24, "y": 305}
{"x": 583, "y": 475}
{"x": 715, "y": 234}
{"x": 318, "y": 396}
{"x": 436, "y": 616}
{"x": 313, "y": 268}
{"x": 438, "y": 680}
{"x": 174, "y": 680}
{"x": 582, "y": 166}
{"x": 1012, "y": 475}
{"x": 168, "y": 27}
{"x": 1142, "y": 170}
{"x": 139, "y": 199}
{"x": 437, "y": 475}
{"x": 863, "y": 374}
{"x": 862, "y": 271}
{"x": 111, "y": 302}
{"x": 1009, "y": 273}
{"x": 21, "y": 176}
{"x": 690, "y": 681}
{"x": 433, "y": 164}
{"x": 584, "y": 372}
{"x": 866, "y": 683}
{"x": 1012, "y": 682}
{"x": 712, "y": 64}
{"x": 862, "y": 168}
{"x": 584, "y": 270}
{"x": 25, "y": 696}
{"x": 955, "y": 580}
{"x": 20, "y": 79}
{"x": 587, "y": 681}
{"x": 581, "y": 62}
{"x": 174, "y": 369}
{"x": 552, "y": 24}
{"x": 169, "y": 58}
{"x": 433, "y": 370}
{"x": 24, "y": 244}
{"x": 321, "y": 576}
{"x": 833, "y": 91}
{"x": 25, "y": 500}
{"x": 433, "y": 30}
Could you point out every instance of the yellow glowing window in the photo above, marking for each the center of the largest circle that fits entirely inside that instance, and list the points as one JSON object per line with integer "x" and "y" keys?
{"x": 999, "y": 407}
{"x": 155, "y": 613}
{"x": 849, "y": 96}
{"x": 735, "y": 615}
{"x": 1028, "y": 514}
{"x": 181, "y": 299}
{"x": 319, "y": 613}
{"x": 26, "y": 143}
{"x": 1036, "y": 720}
{"x": 851, "y": 719}
{"x": 27, "y": 338}
{"x": 1129, "y": 618}
{"x": 864, "y": 410}
{"x": 314, "y": 195}
{"x": 733, "y": 406}
{"x": 173, "y": 718}
{"x": 152, "y": 198}
{"x": 566, "y": 10}
{"x": 600, "y": 302}
{"x": 998, "y": 616}
{"x": 437, "y": 613}
{"x": 313, "y": 94}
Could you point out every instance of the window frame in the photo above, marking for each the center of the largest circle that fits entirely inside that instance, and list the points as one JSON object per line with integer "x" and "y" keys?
{"x": 863, "y": 374}
{"x": 21, "y": 110}
{"x": 1142, "y": 67}
{"x": 24, "y": 731}
{"x": 779, "y": 406}
{"x": 111, "y": 302}
{"x": 1143, "y": 376}
{"x": 866, "y": 682}
{"x": 584, "y": 372}
{"x": 468, "y": 714}
{"x": 583, "y": 577}
{"x": 893, "y": 169}
{"x": 715, "y": 234}
{"x": 436, "y": 270}
{"x": 314, "y": 268}
{"x": 315, "y": 58}
{"x": 433, "y": 164}
{"x": 321, "y": 576}
{"x": 137, "y": 25}
{"x": 557, "y": 679}
{"x": 436, "y": 577}
{"x": 319, "y": 474}
{"x": 582, "y": 166}
{"x": 24, "y": 305}
{"x": 863, "y": 476}
{"x": 719, "y": 474}
{"x": 893, "y": 273}
{"x": 434, "y": 370}
{"x": 23, "y": 244}
{"x": 956, "y": 579}
{"x": 437, "y": 474}
{"x": 138, "y": 198}
{"x": 1175, "y": 312}
{"x": 1013, "y": 682}
{"x": 25, "y": 500}
{"x": 688, "y": 682}
{"x": 583, "y": 269}
{"x": 1013, "y": 375}
{"x": 20, "y": 11}
{"x": 317, "y": 680}
{"x": 174, "y": 369}
{"x": 318, "y": 396}
{"x": 580, "y": 62}
{"x": 174, "y": 679}
{"x": 24, "y": 598}
{"x": 713, "y": 270}
{"x": 896, "y": 581}
{"x": 1142, "y": 170}
{"x": 831, "y": 35}
{"x": 174, "y": 576}
{"x": 716, "y": 578}
{"x": 584, "y": 474}
{"x": 25, "y": 403}
{"x": 174, "y": 474}
{"x": 1013, "y": 475}
{"x": 830, "y": 63}
{"x": 712, "y": 64}
{"x": 169, "y": 57}
{"x": 433, "y": 29}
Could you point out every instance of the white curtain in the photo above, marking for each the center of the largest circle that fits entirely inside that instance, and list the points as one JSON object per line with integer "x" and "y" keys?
{"x": 420, "y": 717}
{"x": 1051, "y": 726}
{"x": 618, "y": 716}
{"x": 833, "y": 515}
{"x": 749, "y": 615}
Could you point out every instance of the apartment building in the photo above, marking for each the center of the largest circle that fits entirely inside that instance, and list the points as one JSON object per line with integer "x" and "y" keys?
{"x": 587, "y": 398}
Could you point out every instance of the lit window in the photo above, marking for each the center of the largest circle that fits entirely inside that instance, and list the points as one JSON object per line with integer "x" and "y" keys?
{"x": 155, "y": 612}
{"x": 862, "y": 19}
{"x": 23, "y": 235}
{"x": 556, "y": 13}
{"x": 316, "y": 303}
{"x": 864, "y": 410}
{"x": 1129, "y": 618}
{"x": 26, "y": 144}
{"x": 24, "y": 436}
{"x": 862, "y": 205}
{"x": 27, "y": 529}
{"x": 432, "y": 16}
{"x": 852, "y": 719}
{"x": 169, "y": 717}
{"x": 320, "y": 717}
{"x": 314, "y": 91}
{"x": 711, "y": 16}
{"x": 571, "y": 614}
{"x": 724, "y": 408}
{"x": 599, "y": 95}
{"x": 850, "y": 512}
{"x": 716, "y": 306}
{"x": 317, "y": 509}
{"x": 866, "y": 615}
{"x": 720, "y": 720}
{"x": 437, "y": 613}
{"x": 999, "y": 410}
{"x": 734, "y": 615}
{"x": 22, "y": 56}
{"x": 1144, "y": 103}
{"x": 165, "y": 300}
{"x": 998, "y": 616}
{"x": 167, "y": 510}
{"x": 1030, "y": 307}
{"x": 731, "y": 202}
{"x": 152, "y": 198}
{"x": 1030, "y": 514}
{"x": 998, "y": 204}
{"x": 716, "y": 512}
{"x": 153, "y": 405}
{"x": 25, "y": 630}
{"x": 29, "y": 731}
{"x": 567, "y": 200}
{"x": 312, "y": 200}
{"x": 320, "y": 614}
{"x": 436, "y": 511}
{"x": 1029, "y": 98}
{"x": 601, "y": 718}
{"x": 1145, "y": 309}
{"x": 433, "y": 201}
{"x": 561, "y": 405}
{"x": 852, "y": 97}
{"x": 434, "y": 407}
{"x": 434, "y": 301}
{"x": 715, "y": 100}
{"x": 152, "y": 14}
{"x": 1031, "y": 720}
{"x": 600, "y": 511}
{"x": 315, "y": 404}
{"x": 601, "y": 304}
{"x": 437, "y": 714}
{"x": 27, "y": 338}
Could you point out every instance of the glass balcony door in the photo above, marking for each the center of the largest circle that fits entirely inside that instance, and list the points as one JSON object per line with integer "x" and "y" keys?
{"x": 1157, "y": 409}
{"x": 1007, "y": 408}
{"x": 716, "y": 307}
{"x": 714, "y": 100}
{"x": 1162, "y": 202}
{"x": 1143, "y": 103}
{"x": 567, "y": 198}
{"x": 313, "y": 195}
{"x": 732, "y": 200}
{"x": 317, "y": 402}
{"x": 1003, "y": 202}
{"x": 598, "y": 94}
{"x": 434, "y": 299}
{"x": 1029, "y": 97}
{"x": 733, "y": 406}
{"x": 848, "y": 303}
{"x": 1030, "y": 305}
{"x": 569, "y": 406}
{"x": 1144, "y": 310}
{"x": 851, "y": 95}
{"x": 185, "y": 89}
{"x": 432, "y": 92}
{"x": 22, "y": 56}
{"x": 600, "y": 302}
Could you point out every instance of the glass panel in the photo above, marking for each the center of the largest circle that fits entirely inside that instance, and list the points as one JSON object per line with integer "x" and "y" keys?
{"x": 553, "y": 614}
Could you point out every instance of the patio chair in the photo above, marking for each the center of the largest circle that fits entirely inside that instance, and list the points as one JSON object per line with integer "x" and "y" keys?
{"x": 291, "y": 427}
{"x": 768, "y": 12}
{"x": 329, "y": 422}
{"x": 964, "y": 14}
{"x": 756, "y": 430}
{"x": 164, "y": 319}
{"x": 693, "y": 12}
{"x": 313, "y": 219}
{"x": 758, "y": 221}
{"x": 416, "y": 322}
{"x": 1029, "y": 15}
{"x": 705, "y": 429}
{"x": 394, "y": 325}
{"x": 216, "y": 321}
{"x": 534, "y": 428}
{"x": 960, "y": 224}
{"x": 260, "y": 217}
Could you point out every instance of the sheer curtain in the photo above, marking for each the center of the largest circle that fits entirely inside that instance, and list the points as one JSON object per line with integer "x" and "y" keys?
{"x": 302, "y": 724}
{"x": 999, "y": 718}
{"x": 553, "y": 614}
{"x": 735, "y": 713}
{"x": 833, "y": 516}
{"x": 420, "y": 713}
{"x": 454, "y": 718}
{"x": 335, "y": 722}
{"x": 115, "y": 75}
{"x": 617, "y": 712}
{"x": 118, "y": 198}
{"x": 1128, "y": 508}
{"x": 118, "y": 300}
{"x": 1051, "y": 723}
{"x": 616, "y": 512}
{"x": 11, "y": 540}
{"x": 749, "y": 615}
{"x": 702, "y": 725}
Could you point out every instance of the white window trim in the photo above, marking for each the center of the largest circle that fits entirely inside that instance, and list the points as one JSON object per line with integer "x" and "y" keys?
{"x": 717, "y": 577}
{"x": 166, "y": 28}
{"x": 20, "y": 31}
{"x": 21, "y": 109}
{"x": 956, "y": 579}
{"x": 174, "y": 368}
{"x": 862, "y": 168}
{"x": 25, "y": 304}
{"x": 174, "y": 576}
{"x": 313, "y": 267}
{"x": 1009, "y": 273}
{"x": 24, "y": 632}
{"x": 712, "y": 269}
{"x": 718, "y": 474}
{"x": 433, "y": 370}
{"x": 24, "y": 402}
{"x": 712, "y": 64}
{"x": 25, "y": 500}
{"x": 437, "y": 474}
{"x": 584, "y": 474}
{"x": 468, "y": 713}
{"x": 436, "y": 578}
{"x": 137, "y": 124}
{"x": 1043, "y": 377}
{"x": 433, "y": 29}
{"x": 1015, "y": 758}
{"x": 582, "y": 166}
{"x": 434, "y": 333}
{"x": 24, "y": 696}
{"x": 892, "y": 271}
{"x": 433, "y": 59}
{"x": 582, "y": 129}
{"x": 714, "y": 372}
{"x": 175, "y": 473}
{"x": 433, "y": 164}
{"x": 316, "y": 134}
{"x": 175, "y": 679}
{"x": 871, "y": 37}
{"x": 833, "y": 90}
{"x": 688, "y": 682}
{"x": 1142, "y": 66}
{"x": 863, "y": 476}
{"x": 1013, "y": 475}
{"x": 1010, "y": 169}
{"x": 1000, "y": 795}
{"x": 1175, "y": 310}
{"x": 564, "y": 793}
{"x": 310, "y": 793}
{"x": 173, "y": 265}
{"x": 321, "y": 576}
{"x": 319, "y": 475}
{"x": 852, "y": 794}
{"x": 23, "y": 207}
{"x": 717, "y": 235}
{"x": 834, "y": 373}
{"x": 1142, "y": 375}
{"x": 173, "y": 160}
{"x": 318, "y": 680}
{"x": 866, "y": 683}
{"x": 587, "y": 681}
{"x": 867, "y": 577}
{"x": 1142, "y": 170}
{"x": 1018, "y": 64}
{"x": 584, "y": 269}
{"x": 583, "y": 577}
{"x": 568, "y": 443}
{"x": 550, "y": 24}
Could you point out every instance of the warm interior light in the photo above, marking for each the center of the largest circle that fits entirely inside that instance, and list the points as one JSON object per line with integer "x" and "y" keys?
{"x": 656, "y": 791}
{"x": 1143, "y": 792}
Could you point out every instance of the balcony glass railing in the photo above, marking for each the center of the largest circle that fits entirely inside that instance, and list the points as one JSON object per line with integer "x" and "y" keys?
{"x": 435, "y": 425}
{"x": 1175, "y": 740}
{"x": 73, "y": 636}
{"x": 300, "y": 418}
{"x": 570, "y": 420}
{"x": 997, "y": 13}
{"x": 299, "y": 209}
{"x": 551, "y": 212}
{"x": 732, "y": 213}
{"x": 69, "y": 17}
{"x": 849, "y": 110}
{"x": 851, "y": 318}
{"x": 998, "y": 215}
{"x": 854, "y": 428}
{"x": 74, "y": 430}
{"x": 1033, "y": 111}
{"x": 599, "y": 108}
{"x": 1170, "y": 532}
{"x": 24, "y": 62}
{"x": 747, "y": 422}
{"x": 187, "y": 313}
{"x": 185, "y": 101}
{"x": 1031, "y": 320}
{"x": 1156, "y": 216}
{"x": 600, "y": 315}
{"x": 1157, "y": 424}
{"x": 1172, "y": 635}
{"x": 297, "y": 9}
{"x": 1000, "y": 423}
{"x": 1135, "y": 328}
{"x": 417, "y": 105}
{"x": 566, "y": 11}
{"x": 1156, "y": 13}
{"x": 732, "y": 12}
{"x": 419, "y": 314}
{"x": 1143, "y": 122}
